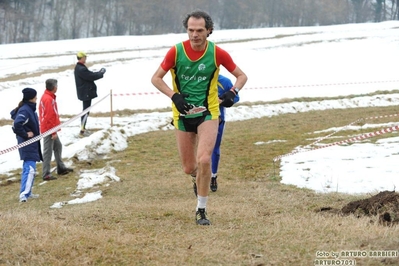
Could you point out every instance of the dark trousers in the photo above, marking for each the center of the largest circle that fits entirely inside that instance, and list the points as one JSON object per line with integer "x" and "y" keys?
{"x": 83, "y": 119}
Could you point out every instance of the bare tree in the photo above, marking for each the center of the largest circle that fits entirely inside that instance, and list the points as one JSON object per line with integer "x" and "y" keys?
{"x": 395, "y": 8}
{"x": 75, "y": 16}
{"x": 57, "y": 14}
{"x": 37, "y": 20}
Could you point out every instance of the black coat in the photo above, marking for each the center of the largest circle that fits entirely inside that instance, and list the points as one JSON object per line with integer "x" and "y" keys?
{"x": 86, "y": 89}
{"x": 25, "y": 120}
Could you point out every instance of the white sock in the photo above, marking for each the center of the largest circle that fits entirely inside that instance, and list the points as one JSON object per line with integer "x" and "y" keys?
{"x": 201, "y": 202}
{"x": 214, "y": 175}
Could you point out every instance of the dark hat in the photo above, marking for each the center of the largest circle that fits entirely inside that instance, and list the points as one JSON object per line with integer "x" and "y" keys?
{"x": 29, "y": 94}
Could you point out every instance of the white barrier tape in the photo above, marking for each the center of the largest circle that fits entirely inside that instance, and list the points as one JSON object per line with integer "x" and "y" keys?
{"x": 50, "y": 131}
{"x": 361, "y": 137}
{"x": 272, "y": 87}
{"x": 329, "y": 135}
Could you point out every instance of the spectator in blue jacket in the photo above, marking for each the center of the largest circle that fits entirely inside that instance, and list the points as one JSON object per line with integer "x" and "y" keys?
{"x": 26, "y": 126}
{"x": 224, "y": 84}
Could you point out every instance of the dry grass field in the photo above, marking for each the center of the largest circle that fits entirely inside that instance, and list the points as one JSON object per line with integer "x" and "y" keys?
{"x": 148, "y": 217}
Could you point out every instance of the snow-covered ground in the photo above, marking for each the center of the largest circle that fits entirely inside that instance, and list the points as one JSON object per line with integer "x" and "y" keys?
{"x": 281, "y": 63}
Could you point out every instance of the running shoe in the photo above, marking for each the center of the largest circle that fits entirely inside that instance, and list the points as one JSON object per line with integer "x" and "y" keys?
{"x": 23, "y": 199}
{"x": 201, "y": 217}
{"x": 214, "y": 184}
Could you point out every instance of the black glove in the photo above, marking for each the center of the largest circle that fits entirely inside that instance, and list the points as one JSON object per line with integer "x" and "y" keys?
{"x": 182, "y": 106}
{"x": 102, "y": 70}
{"x": 227, "y": 98}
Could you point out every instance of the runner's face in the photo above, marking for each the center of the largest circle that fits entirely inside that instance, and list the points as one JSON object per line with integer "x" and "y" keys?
{"x": 197, "y": 33}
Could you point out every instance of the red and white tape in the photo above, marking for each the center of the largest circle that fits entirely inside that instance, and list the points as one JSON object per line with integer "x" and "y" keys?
{"x": 357, "y": 138}
{"x": 381, "y": 116}
{"x": 136, "y": 93}
{"x": 326, "y": 84}
{"x": 333, "y": 133}
{"x": 50, "y": 131}
{"x": 273, "y": 87}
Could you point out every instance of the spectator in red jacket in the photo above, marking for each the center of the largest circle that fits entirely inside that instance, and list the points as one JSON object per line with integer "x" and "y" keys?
{"x": 49, "y": 118}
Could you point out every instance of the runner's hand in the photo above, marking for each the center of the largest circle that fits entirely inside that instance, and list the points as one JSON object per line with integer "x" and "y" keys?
{"x": 227, "y": 98}
{"x": 180, "y": 103}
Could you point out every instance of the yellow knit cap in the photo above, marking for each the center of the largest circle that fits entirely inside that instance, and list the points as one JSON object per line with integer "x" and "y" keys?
{"x": 81, "y": 54}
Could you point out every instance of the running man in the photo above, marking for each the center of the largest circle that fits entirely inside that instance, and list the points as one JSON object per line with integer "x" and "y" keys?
{"x": 194, "y": 66}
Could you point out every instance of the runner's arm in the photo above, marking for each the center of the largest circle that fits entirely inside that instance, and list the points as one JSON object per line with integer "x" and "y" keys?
{"x": 166, "y": 65}
{"x": 223, "y": 58}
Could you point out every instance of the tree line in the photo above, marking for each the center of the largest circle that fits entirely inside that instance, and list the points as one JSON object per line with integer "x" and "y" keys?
{"x": 45, "y": 20}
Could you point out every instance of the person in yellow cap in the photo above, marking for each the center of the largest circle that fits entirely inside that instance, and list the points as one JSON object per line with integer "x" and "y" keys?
{"x": 86, "y": 89}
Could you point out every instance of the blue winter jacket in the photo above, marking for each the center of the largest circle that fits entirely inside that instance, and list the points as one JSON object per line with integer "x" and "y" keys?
{"x": 25, "y": 120}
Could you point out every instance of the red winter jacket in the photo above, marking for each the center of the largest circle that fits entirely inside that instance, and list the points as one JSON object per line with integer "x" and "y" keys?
{"x": 48, "y": 112}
